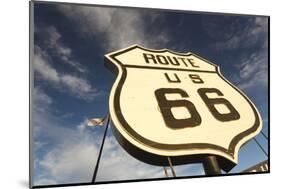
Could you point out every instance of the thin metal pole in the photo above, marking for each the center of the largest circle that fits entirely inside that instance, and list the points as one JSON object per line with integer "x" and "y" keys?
{"x": 165, "y": 171}
{"x": 171, "y": 166}
{"x": 264, "y": 135}
{"x": 260, "y": 146}
{"x": 211, "y": 165}
{"x": 100, "y": 152}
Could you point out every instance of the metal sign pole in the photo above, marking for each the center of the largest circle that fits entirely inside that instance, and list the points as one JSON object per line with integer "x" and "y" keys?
{"x": 211, "y": 166}
{"x": 165, "y": 171}
{"x": 100, "y": 152}
{"x": 171, "y": 166}
{"x": 263, "y": 150}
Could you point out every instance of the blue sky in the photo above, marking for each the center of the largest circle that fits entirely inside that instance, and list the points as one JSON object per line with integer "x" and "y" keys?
{"x": 71, "y": 83}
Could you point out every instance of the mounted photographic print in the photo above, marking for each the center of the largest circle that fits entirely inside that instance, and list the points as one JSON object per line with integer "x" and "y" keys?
{"x": 122, "y": 94}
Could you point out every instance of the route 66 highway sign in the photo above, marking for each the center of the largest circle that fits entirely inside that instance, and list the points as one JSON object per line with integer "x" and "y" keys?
{"x": 178, "y": 105}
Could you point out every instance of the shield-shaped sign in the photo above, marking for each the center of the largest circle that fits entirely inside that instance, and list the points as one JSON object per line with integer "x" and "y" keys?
{"x": 178, "y": 105}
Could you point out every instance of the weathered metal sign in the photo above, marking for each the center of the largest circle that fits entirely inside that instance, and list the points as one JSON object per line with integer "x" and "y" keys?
{"x": 168, "y": 104}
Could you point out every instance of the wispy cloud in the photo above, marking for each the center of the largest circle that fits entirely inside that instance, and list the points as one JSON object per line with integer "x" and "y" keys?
{"x": 62, "y": 154}
{"x": 41, "y": 99}
{"x": 71, "y": 84}
{"x": 119, "y": 28}
{"x": 53, "y": 43}
{"x": 250, "y": 36}
{"x": 252, "y": 33}
{"x": 69, "y": 163}
{"x": 254, "y": 71}
{"x": 254, "y": 65}
{"x": 117, "y": 164}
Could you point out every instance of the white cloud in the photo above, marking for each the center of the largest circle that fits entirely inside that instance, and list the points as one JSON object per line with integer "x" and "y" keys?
{"x": 52, "y": 42}
{"x": 41, "y": 65}
{"x": 41, "y": 103}
{"x": 117, "y": 164}
{"x": 61, "y": 153}
{"x": 40, "y": 97}
{"x": 38, "y": 145}
{"x": 75, "y": 83}
{"x": 44, "y": 181}
{"x": 75, "y": 86}
{"x": 254, "y": 71}
{"x": 261, "y": 26}
{"x": 71, "y": 163}
{"x": 120, "y": 28}
{"x": 247, "y": 35}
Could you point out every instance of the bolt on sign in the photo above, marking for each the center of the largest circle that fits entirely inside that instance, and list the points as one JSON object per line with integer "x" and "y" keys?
{"x": 178, "y": 105}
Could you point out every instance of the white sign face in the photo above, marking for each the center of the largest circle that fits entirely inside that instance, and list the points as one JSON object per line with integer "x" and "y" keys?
{"x": 167, "y": 104}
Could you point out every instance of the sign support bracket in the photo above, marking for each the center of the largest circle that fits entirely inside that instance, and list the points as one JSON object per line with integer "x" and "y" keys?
{"x": 211, "y": 166}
